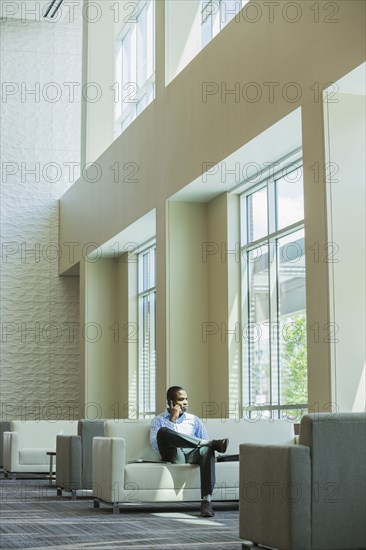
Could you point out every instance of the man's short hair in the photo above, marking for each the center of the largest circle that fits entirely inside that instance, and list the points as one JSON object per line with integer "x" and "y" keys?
{"x": 172, "y": 392}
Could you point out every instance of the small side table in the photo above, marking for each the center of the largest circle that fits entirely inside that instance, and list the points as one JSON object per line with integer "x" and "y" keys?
{"x": 51, "y": 477}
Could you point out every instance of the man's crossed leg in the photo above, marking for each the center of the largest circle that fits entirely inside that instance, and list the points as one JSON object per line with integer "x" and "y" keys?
{"x": 181, "y": 448}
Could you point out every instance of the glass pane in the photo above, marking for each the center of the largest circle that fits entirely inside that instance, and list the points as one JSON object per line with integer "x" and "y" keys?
{"x": 141, "y": 105}
{"x": 147, "y": 342}
{"x": 146, "y": 270}
{"x": 142, "y": 48}
{"x": 258, "y": 333}
{"x": 119, "y": 78}
{"x": 206, "y": 31}
{"x": 127, "y": 85}
{"x": 206, "y": 10}
{"x": 257, "y": 215}
{"x": 126, "y": 122}
{"x": 150, "y": 40}
{"x": 292, "y": 319}
{"x": 144, "y": 363}
{"x": 150, "y": 93}
{"x": 152, "y": 381}
{"x": 137, "y": 79}
{"x": 290, "y": 198}
{"x": 126, "y": 59}
{"x": 153, "y": 267}
{"x": 216, "y": 24}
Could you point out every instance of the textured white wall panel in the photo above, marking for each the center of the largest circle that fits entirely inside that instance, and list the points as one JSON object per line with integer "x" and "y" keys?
{"x": 39, "y": 136}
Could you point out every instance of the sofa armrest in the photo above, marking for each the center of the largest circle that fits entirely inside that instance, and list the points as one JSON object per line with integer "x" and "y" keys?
{"x": 68, "y": 466}
{"x": 11, "y": 451}
{"x": 109, "y": 459}
{"x": 4, "y": 427}
{"x": 275, "y": 495}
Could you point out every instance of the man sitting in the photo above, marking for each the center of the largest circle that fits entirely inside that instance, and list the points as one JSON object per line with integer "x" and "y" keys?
{"x": 181, "y": 437}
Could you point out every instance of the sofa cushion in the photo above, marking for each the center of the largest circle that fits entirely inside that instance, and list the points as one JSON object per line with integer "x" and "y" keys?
{"x": 136, "y": 433}
{"x": 176, "y": 476}
{"x": 34, "y": 456}
{"x": 161, "y": 476}
{"x": 250, "y": 431}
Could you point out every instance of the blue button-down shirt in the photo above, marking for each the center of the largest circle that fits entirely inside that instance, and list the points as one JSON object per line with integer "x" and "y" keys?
{"x": 186, "y": 424}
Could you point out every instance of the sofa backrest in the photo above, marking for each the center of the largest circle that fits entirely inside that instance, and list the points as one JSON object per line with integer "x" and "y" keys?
{"x": 337, "y": 444}
{"x": 137, "y": 434}
{"x": 42, "y": 433}
{"x": 263, "y": 431}
{"x": 87, "y": 429}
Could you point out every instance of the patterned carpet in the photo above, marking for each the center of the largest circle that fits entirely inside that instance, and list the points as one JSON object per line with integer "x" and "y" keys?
{"x": 33, "y": 516}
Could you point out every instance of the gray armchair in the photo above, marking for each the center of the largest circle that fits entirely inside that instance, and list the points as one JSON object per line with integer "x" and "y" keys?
{"x": 74, "y": 457}
{"x": 310, "y": 496}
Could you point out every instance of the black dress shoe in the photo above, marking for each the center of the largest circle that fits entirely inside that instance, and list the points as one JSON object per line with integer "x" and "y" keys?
{"x": 206, "y": 509}
{"x": 220, "y": 445}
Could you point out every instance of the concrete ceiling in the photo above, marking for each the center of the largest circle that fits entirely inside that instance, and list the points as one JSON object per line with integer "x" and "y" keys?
{"x": 275, "y": 143}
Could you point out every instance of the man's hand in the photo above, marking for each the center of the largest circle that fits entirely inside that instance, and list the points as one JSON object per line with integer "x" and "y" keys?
{"x": 175, "y": 411}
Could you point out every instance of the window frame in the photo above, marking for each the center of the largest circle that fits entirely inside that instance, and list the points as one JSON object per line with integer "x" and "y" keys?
{"x": 126, "y": 112}
{"x": 150, "y": 292}
{"x": 267, "y": 179}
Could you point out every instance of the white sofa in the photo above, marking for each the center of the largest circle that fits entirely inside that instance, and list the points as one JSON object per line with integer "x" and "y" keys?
{"x": 117, "y": 481}
{"x": 26, "y": 444}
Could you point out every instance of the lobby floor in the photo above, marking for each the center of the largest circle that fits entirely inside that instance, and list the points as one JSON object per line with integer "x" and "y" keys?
{"x": 33, "y": 516}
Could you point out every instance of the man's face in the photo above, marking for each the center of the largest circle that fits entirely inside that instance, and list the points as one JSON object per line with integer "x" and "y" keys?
{"x": 181, "y": 399}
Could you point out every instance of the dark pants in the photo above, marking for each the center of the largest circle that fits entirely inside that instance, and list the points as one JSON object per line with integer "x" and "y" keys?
{"x": 181, "y": 448}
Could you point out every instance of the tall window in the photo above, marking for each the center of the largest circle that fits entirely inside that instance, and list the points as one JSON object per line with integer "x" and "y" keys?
{"x": 146, "y": 323}
{"x": 273, "y": 294}
{"x": 135, "y": 65}
{"x": 215, "y": 14}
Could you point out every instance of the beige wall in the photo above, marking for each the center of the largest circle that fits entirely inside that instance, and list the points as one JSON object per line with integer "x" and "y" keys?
{"x": 202, "y": 303}
{"x": 187, "y": 289}
{"x": 99, "y": 77}
{"x": 317, "y": 275}
{"x": 172, "y": 139}
{"x": 101, "y": 352}
{"x": 222, "y": 330}
{"x": 125, "y": 335}
{"x": 218, "y": 305}
{"x": 107, "y": 339}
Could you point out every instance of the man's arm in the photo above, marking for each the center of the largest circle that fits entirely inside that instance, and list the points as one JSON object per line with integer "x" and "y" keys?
{"x": 157, "y": 423}
{"x": 200, "y": 429}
